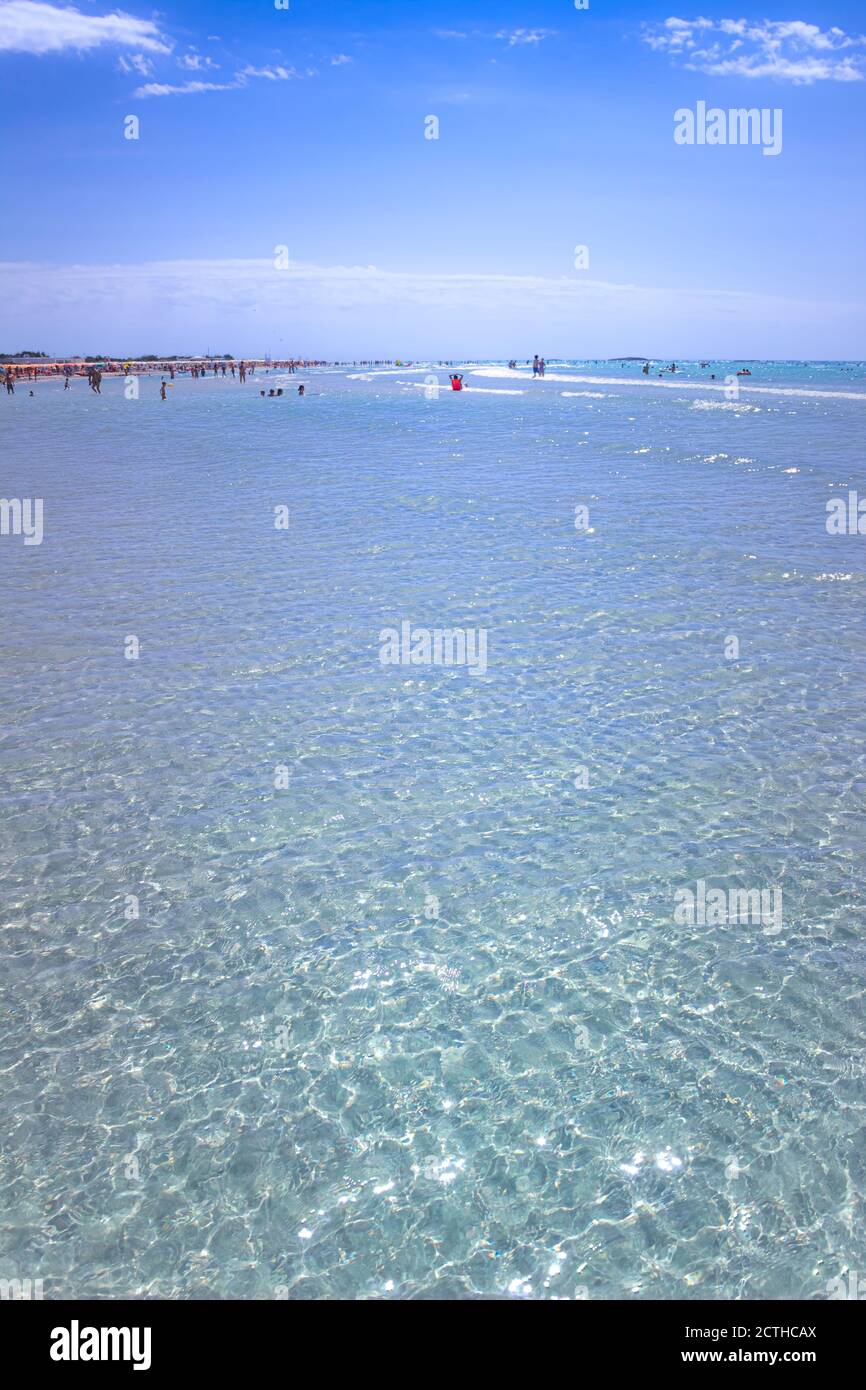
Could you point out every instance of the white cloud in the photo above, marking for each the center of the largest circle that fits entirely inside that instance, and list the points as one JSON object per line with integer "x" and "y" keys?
{"x": 512, "y": 37}
{"x": 786, "y": 50}
{"x": 339, "y": 59}
{"x": 517, "y": 36}
{"x": 196, "y": 62}
{"x": 273, "y": 74}
{"x": 30, "y": 26}
{"x": 135, "y": 63}
{"x": 168, "y": 89}
{"x": 241, "y": 78}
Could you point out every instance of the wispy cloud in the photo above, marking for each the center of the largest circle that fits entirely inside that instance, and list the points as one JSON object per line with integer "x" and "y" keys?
{"x": 519, "y": 36}
{"x": 512, "y": 37}
{"x": 170, "y": 89}
{"x": 339, "y": 59}
{"x": 136, "y": 62}
{"x": 196, "y": 62}
{"x": 274, "y": 74}
{"x": 37, "y": 27}
{"x": 31, "y": 26}
{"x": 241, "y": 78}
{"x": 785, "y": 50}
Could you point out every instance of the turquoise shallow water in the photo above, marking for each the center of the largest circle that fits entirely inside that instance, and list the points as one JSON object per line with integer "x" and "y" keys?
{"x": 419, "y": 1021}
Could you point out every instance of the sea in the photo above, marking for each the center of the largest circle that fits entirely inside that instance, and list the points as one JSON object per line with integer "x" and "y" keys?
{"x": 433, "y": 833}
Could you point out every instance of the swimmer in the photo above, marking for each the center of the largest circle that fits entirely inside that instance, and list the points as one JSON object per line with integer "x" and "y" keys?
{"x": 162, "y": 392}
{"x": 301, "y": 390}
{"x": 457, "y": 381}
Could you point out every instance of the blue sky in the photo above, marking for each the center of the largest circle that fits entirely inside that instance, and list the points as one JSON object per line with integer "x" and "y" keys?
{"x": 262, "y": 127}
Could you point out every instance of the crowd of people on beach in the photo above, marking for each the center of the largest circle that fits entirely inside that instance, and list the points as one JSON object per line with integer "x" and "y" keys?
{"x": 15, "y": 373}
{"x": 170, "y": 368}
{"x": 194, "y": 368}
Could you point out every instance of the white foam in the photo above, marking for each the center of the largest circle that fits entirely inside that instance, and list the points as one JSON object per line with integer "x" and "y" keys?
{"x": 430, "y": 367}
{"x": 724, "y": 405}
{"x": 385, "y": 371}
{"x": 477, "y": 390}
{"x": 672, "y": 385}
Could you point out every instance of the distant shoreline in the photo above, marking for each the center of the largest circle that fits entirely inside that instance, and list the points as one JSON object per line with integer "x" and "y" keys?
{"x": 34, "y": 368}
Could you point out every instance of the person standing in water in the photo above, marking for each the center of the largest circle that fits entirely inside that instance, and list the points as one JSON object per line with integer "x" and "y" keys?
{"x": 457, "y": 381}
{"x": 162, "y": 389}
{"x": 535, "y": 365}
{"x": 10, "y": 382}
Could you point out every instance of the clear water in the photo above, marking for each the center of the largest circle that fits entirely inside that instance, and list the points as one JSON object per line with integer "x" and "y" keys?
{"x": 421, "y": 1023}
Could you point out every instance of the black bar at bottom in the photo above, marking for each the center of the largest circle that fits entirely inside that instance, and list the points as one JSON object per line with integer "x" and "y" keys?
{"x": 232, "y": 1338}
